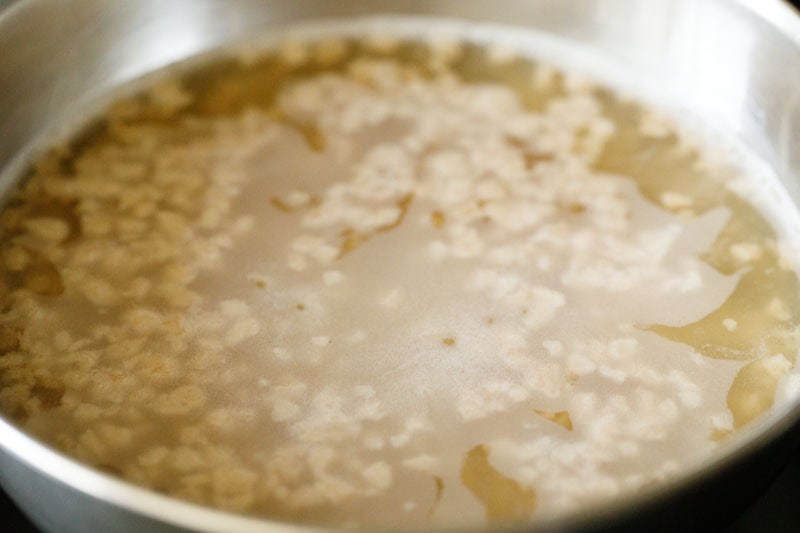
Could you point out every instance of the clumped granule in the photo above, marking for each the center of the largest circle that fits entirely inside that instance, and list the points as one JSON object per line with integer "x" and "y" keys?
{"x": 311, "y": 309}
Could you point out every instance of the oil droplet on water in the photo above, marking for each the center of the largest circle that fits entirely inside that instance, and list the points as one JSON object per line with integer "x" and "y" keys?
{"x": 561, "y": 418}
{"x": 659, "y": 167}
{"x": 504, "y": 499}
{"x": 753, "y": 389}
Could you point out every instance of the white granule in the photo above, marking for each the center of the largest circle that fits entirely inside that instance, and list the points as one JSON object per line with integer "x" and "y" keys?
{"x": 234, "y": 489}
{"x": 499, "y": 54}
{"x": 729, "y": 324}
{"x": 544, "y": 76}
{"x": 722, "y": 421}
{"x": 746, "y": 252}
{"x": 493, "y": 397}
{"x": 243, "y": 225}
{"x": 623, "y": 349}
{"x": 186, "y": 459}
{"x": 181, "y": 400}
{"x": 658, "y": 126}
{"x": 580, "y": 364}
{"x": 144, "y": 321}
{"x": 62, "y": 340}
{"x": 48, "y": 228}
{"x": 415, "y": 424}
{"x": 87, "y": 412}
{"x": 444, "y": 48}
{"x": 577, "y": 83}
{"x": 613, "y": 374}
{"x": 242, "y": 329}
{"x": 777, "y": 308}
{"x": 100, "y": 292}
{"x": 382, "y": 41}
{"x": 365, "y": 391}
{"x": 423, "y": 463}
{"x": 296, "y": 262}
{"x": 330, "y": 50}
{"x": 674, "y": 200}
{"x": 294, "y": 52}
{"x": 777, "y": 365}
{"x": 393, "y": 298}
{"x": 399, "y": 440}
{"x": 170, "y": 96}
{"x": 306, "y": 244}
{"x": 234, "y": 308}
{"x": 154, "y": 456}
{"x": 332, "y": 277}
{"x": 357, "y": 337}
{"x": 320, "y": 340}
{"x": 691, "y": 399}
{"x": 669, "y": 409}
{"x": 438, "y": 251}
{"x": 325, "y": 253}
{"x": 371, "y": 410}
{"x": 554, "y": 348}
{"x": 379, "y": 475}
{"x": 282, "y": 354}
{"x": 688, "y": 282}
{"x": 374, "y": 442}
{"x": 16, "y": 258}
{"x": 284, "y": 410}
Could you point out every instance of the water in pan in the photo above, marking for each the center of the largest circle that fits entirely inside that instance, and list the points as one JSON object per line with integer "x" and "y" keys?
{"x": 389, "y": 281}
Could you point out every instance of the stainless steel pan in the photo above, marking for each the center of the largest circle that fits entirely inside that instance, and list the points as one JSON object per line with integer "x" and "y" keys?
{"x": 733, "y": 63}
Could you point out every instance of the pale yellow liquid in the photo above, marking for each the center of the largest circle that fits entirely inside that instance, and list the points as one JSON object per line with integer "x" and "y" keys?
{"x": 420, "y": 355}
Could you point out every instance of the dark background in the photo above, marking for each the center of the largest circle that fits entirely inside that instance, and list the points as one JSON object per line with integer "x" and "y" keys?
{"x": 776, "y": 511}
